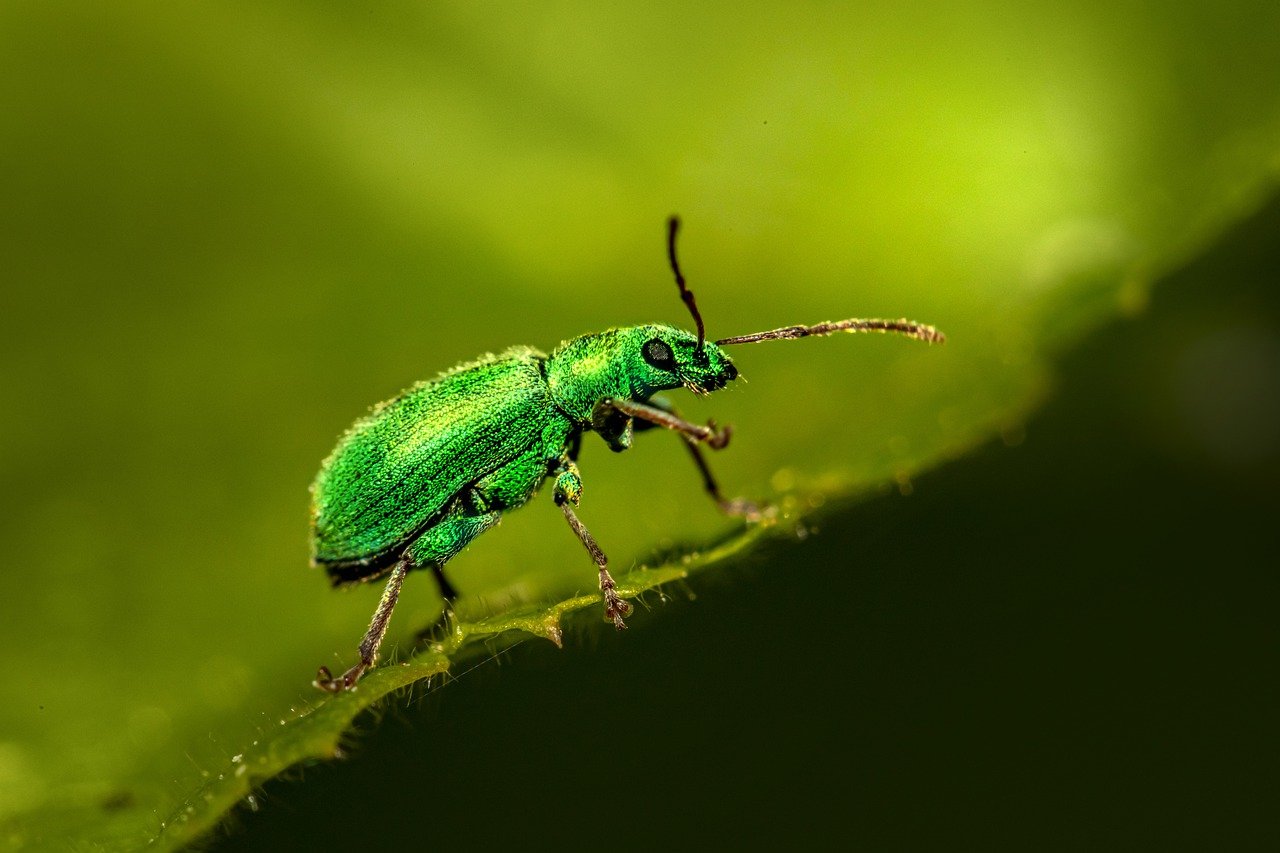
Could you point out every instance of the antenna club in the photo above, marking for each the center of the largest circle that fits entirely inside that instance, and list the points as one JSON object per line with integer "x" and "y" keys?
{"x": 902, "y": 326}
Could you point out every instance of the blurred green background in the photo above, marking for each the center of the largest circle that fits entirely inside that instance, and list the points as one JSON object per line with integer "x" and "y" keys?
{"x": 228, "y": 229}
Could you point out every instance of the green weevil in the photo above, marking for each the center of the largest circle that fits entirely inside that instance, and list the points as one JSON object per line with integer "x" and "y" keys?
{"x": 411, "y": 484}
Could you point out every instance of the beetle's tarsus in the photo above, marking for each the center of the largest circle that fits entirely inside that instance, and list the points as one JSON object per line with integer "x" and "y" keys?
{"x": 744, "y": 509}
{"x": 615, "y": 606}
{"x": 347, "y": 681}
{"x": 718, "y": 437}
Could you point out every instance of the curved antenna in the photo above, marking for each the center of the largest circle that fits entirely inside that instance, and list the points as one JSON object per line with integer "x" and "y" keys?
{"x": 673, "y": 227}
{"x": 901, "y": 327}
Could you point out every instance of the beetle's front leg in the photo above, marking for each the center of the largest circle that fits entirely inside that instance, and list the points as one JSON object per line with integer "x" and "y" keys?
{"x": 607, "y": 410}
{"x": 568, "y": 491}
{"x": 729, "y": 506}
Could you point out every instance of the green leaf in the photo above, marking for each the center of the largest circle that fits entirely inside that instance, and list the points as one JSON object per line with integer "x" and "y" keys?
{"x": 231, "y": 229}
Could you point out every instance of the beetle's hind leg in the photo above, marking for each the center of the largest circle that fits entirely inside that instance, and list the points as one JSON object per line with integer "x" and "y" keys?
{"x": 372, "y": 638}
{"x": 435, "y": 547}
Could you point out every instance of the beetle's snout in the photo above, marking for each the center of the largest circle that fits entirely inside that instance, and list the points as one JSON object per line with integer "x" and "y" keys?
{"x": 717, "y": 381}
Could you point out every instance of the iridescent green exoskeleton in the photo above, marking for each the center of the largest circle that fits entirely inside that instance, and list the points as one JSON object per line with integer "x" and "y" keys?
{"x": 411, "y": 484}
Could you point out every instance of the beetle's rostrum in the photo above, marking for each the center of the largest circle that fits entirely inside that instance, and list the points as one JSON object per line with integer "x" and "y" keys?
{"x": 410, "y": 485}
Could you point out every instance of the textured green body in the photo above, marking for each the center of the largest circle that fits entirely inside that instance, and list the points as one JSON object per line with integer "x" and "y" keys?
{"x": 443, "y": 456}
{"x": 425, "y": 473}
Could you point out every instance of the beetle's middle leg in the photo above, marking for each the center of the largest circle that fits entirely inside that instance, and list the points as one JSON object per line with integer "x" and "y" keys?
{"x": 505, "y": 488}
{"x": 729, "y": 506}
{"x": 447, "y": 591}
{"x": 568, "y": 491}
{"x": 448, "y": 594}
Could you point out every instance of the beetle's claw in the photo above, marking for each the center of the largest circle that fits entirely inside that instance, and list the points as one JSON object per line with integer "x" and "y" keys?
{"x": 719, "y": 435}
{"x": 747, "y": 510}
{"x": 325, "y": 680}
{"x": 615, "y": 606}
{"x": 740, "y": 507}
{"x": 347, "y": 681}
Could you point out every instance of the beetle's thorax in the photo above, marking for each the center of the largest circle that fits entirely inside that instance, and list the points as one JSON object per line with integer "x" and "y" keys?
{"x": 633, "y": 363}
{"x": 587, "y": 369}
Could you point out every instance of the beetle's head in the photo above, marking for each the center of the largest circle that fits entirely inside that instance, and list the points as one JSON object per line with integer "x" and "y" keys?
{"x": 663, "y": 357}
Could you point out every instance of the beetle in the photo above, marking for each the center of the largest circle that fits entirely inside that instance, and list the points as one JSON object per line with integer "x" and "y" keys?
{"x": 425, "y": 473}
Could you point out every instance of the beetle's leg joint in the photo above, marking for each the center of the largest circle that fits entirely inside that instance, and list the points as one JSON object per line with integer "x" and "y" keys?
{"x": 613, "y": 424}
{"x": 568, "y": 483}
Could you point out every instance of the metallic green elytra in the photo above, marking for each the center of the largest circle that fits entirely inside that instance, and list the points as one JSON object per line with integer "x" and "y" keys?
{"x": 412, "y": 483}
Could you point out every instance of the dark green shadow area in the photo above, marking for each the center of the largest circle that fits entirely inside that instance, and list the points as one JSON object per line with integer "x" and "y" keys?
{"x": 1067, "y": 642}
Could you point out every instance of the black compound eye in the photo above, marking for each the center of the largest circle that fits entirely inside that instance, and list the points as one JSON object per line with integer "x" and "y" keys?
{"x": 657, "y": 353}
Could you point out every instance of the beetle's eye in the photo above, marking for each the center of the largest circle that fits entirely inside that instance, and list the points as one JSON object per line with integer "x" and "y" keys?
{"x": 657, "y": 353}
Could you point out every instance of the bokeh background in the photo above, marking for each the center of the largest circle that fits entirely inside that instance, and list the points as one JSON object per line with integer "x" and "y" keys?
{"x": 1033, "y": 607}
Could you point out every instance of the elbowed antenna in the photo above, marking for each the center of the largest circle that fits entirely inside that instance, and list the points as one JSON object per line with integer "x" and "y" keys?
{"x": 673, "y": 227}
{"x": 901, "y": 327}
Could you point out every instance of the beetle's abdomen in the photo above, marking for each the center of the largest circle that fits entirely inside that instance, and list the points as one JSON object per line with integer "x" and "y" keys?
{"x": 397, "y": 469}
